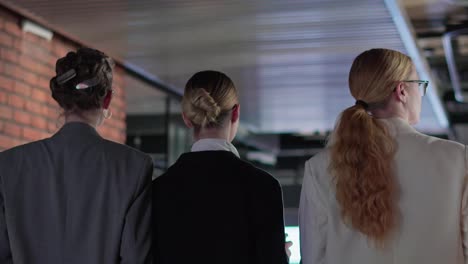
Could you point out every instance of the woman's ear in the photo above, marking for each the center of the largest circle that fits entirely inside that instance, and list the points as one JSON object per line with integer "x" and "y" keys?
{"x": 400, "y": 92}
{"x": 235, "y": 113}
{"x": 107, "y": 99}
{"x": 187, "y": 121}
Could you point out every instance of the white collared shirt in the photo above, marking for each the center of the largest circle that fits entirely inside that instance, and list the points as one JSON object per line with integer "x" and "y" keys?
{"x": 210, "y": 144}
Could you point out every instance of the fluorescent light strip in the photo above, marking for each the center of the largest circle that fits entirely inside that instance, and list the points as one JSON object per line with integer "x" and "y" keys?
{"x": 404, "y": 27}
{"x": 38, "y": 30}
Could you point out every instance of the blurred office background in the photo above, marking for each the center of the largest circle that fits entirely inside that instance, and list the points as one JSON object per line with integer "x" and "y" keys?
{"x": 289, "y": 59}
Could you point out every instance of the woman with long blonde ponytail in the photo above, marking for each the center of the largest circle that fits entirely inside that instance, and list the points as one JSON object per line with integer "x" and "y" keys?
{"x": 382, "y": 192}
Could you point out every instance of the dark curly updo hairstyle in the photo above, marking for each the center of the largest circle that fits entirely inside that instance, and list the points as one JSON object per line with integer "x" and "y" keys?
{"x": 75, "y": 68}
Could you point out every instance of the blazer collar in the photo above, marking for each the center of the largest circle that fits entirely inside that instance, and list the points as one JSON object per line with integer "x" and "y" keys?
{"x": 77, "y": 130}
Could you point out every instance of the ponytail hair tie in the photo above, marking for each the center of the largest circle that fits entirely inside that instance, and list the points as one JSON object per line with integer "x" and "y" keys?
{"x": 363, "y": 104}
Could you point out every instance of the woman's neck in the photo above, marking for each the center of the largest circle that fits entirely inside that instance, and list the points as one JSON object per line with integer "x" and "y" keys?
{"x": 390, "y": 112}
{"x": 91, "y": 119}
{"x": 219, "y": 133}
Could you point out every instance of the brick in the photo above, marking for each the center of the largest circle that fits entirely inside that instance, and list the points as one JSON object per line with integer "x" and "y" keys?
{"x": 45, "y": 59}
{"x": 13, "y": 129}
{"x": 10, "y": 70}
{"x": 6, "y": 83}
{"x": 44, "y": 83}
{"x": 14, "y": 71}
{"x": 46, "y": 109}
{"x": 6, "y": 142}
{"x": 57, "y": 110}
{"x": 51, "y": 101}
{"x": 6, "y": 112}
{"x": 53, "y": 113}
{"x": 32, "y": 134}
{"x": 61, "y": 49}
{"x": 39, "y": 122}
{"x": 9, "y": 55}
{"x": 18, "y": 142}
{"x": 116, "y": 123}
{"x": 120, "y": 110}
{"x": 51, "y": 61}
{"x": 22, "y": 117}
{"x": 40, "y": 95}
{"x": 117, "y": 103}
{"x": 22, "y": 88}
{"x": 28, "y": 77}
{"x": 13, "y": 29}
{"x": 3, "y": 97}
{"x": 104, "y": 133}
{"x": 119, "y": 115}
{"x": 16, "y": 101}
{"x": 115, "y": 135}
{"x": 32, "y": 38}
{"x": 6, "y": 40}
{"x": 33, "y": 107}
{"x": 39, "y": 53}
{"x": 121, "y": 124}
{"x": 45, "y": 71}
{"x": 19, "y": 73}
{"x": 52, "y": 127}
{"x": 18, "y": 44}
{"x": 28, "y": 63}
{"x": 123, "y": 137}
{"x": 27, "y": 110}
{"x": 118, "y": 78}
{"x": 35, "y": 65}
{"x": 111, "y": 123}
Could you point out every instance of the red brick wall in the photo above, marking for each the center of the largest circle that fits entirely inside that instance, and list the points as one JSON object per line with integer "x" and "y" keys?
{"x": 27, "y": 110}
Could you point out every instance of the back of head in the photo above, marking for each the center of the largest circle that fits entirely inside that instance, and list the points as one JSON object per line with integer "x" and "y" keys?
{"x": 362, "y": 150}
{"x": 83, "y": 79}
{"x": 375, "y": 73}
{"x": 208, "y": 98}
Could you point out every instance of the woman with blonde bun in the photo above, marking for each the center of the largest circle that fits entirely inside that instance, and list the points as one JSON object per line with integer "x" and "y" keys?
{"x": 381, "y": 192}
{"x": 211, "y": 206}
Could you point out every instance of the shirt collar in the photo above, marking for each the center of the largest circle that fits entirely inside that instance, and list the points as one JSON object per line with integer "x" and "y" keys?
{"x": 213, "y": 144}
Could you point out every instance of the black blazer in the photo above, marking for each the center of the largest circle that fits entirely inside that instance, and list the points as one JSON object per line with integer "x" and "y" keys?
{"x": 212, "y": 207}
{"x": 75, "y": 198}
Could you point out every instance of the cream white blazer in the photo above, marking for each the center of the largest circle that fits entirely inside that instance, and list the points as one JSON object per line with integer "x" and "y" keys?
{"x": 433, "y": 226}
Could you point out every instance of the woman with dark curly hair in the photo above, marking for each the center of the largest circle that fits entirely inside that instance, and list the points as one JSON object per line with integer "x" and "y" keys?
{"x": 76, "y": 197}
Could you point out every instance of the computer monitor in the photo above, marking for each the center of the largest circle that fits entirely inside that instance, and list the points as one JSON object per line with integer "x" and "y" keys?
{"x": 292, "y": 233}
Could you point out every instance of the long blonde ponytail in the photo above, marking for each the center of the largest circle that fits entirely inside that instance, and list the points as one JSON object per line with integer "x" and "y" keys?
{"x": 362, "y": 149}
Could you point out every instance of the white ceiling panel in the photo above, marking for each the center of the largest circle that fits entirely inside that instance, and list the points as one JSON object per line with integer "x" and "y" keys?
{"x": 290, "y": 59}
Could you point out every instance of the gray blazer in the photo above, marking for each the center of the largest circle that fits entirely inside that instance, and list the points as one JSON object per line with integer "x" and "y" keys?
{"x": 75, "y": 198}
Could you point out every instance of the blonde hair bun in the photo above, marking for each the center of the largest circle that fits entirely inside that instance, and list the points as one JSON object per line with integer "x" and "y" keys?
{"x": 209, "y": 97}
{"x": 204, "y": 108}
